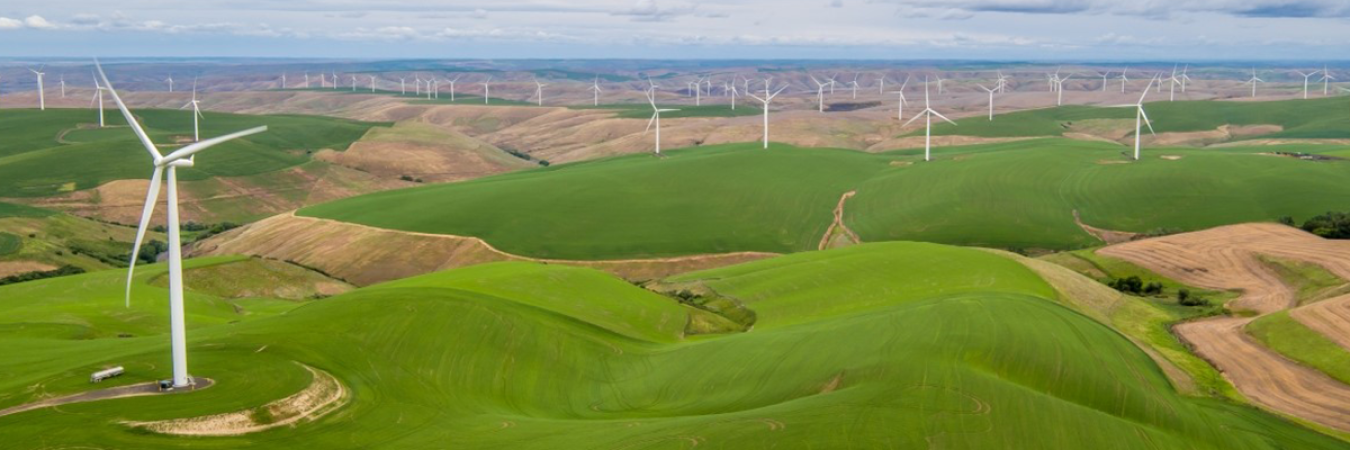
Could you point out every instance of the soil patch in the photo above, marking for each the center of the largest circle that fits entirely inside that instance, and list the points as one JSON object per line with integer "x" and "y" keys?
{"x": 323, "y": 395}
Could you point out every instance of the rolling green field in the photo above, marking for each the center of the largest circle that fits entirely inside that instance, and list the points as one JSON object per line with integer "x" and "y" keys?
{"x": 1323, "y": 118}
{"x": 55, "y": 151}
{"x": 898, "y": 345}
{"x": 728, "y": 198}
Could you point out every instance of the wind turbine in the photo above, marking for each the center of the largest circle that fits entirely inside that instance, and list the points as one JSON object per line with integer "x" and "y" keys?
{"x": 63, "y": 85}
{"x": 1306, "y": 77}
{"x": 283, "y": 80}
{"x": 1124, "y": 79}
{"x": 1002, "y": 82}
{"x": 1059, "y": 88}
{"x": 730, "y": 88}
{"x": 1173, "y": 85}
{"x": 855, "y": 85}
{"x": 991, "y": 101}
{"x": 452, "y": 88}
{"x": 372, "y": 83}
{"x": 928, "y": 113}
{"x": 766, "y": 100}
{"x": 353, "y": 82}
{"x": 170, "y": 80}
{"x": 323, "y": 80}
{"x": 820, "y": 93}
{"x": 402, "y": 86}
{"x": 1104, "y": 75}
{"x": 306, "y": 80}
{"x": 881, "y": 85}
{"x": 487, "y": 90}
{"x": 196, "y": 113}
{"x": 656, "y": 118}
{"x": 335, "y": 80}
{"x": 1326, "y": 82}
{"x": 170, "y": 163}
{"x": 1253, "y": 82}
{"x": 42, "y": 100}
{"x": 1185, "y": 78}
{"x": 539, "y": 91}
{"x": 1141, "y": 117}
{"x": 98, "y": 97}
{"x": 900, "y": 114}
{"x": 417, "y": 86}
{"x": 595, "y": 88}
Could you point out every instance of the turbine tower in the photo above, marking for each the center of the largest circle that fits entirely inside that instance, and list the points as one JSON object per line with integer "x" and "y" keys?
{"x": 63, "y": 85}
{"x": 1306, "y": 78}
{"x": 98, "y": 98}
{"x": 855, "y": 85}
{"x": 991, "y": 101}
{"x": 656, "y": 118}
{"x": 452, "y": 89}
{"x": 1326, "y": 82}
{"x": 196, "y": 113}
{"x": 402, "y": 86}
{"x": 306, "y": 80}
{"x": 170, "y": 81}
{"x": 928, "y": 114}
{"x": 42, "y": 100}
{"x": 170, "y": 163}
{"x": 1124, "y": 79}
{"x": 766, "y": 100}
{"x": 1253, "y": 82}
{"x": 1059, "y": 88}
{"x": 487, "y": 90}
{"x": 283, "y": 80}
{"x": 1104, "y": 82}
{"x": 539, "y": 91}
{"x": 595, "y": 88}
{"x": 372, "y": 84}
{"x": 820, "y": 93}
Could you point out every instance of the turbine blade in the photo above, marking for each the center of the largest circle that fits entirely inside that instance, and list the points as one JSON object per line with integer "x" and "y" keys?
{"x": 940, "y": 116}
{"x": 135, "y": 126}
{"x": 916, "y": 117}
{"x": 151, "y": 197}
{"x": 652, "y": 121}
{"x": 1146, "y": 121}
{"x": 203, "y": 145}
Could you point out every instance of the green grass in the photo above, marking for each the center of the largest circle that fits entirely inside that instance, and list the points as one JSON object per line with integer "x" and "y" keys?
{"x": 9, "y": 244}
{"x": 1302, "y": 119}
{"x": 40, "y": 142}
{"x": 1285, "y": 335}
{"x": 17, "y": 210}
{"x": 923, "y": 345}
{"x": 1311, "y": 282}
{"x": 739, "y": 197}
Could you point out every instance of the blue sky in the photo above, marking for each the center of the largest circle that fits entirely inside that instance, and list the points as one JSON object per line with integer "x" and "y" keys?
{"x": 1314, "y": 30}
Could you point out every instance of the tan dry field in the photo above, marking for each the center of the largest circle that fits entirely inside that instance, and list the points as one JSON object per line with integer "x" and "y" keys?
{"x": 364, "y": 255}
{"x": 8, "y": 268}
{"x": 1226, "y": 258}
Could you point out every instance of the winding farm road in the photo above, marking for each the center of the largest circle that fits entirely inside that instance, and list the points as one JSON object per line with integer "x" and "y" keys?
{"x": 1226, "y": 258}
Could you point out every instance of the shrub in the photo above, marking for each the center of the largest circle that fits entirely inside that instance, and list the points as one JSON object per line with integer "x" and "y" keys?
{"x": 1132, "y": 285}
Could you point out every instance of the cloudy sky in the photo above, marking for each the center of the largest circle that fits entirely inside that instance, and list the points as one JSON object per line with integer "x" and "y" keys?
{"x": 1158, "y": 30}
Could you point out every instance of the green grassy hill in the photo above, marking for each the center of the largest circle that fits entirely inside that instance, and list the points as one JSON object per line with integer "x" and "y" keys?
{"x": 1323, "y": 118}
{"x": 924, "y": 345}
{"x": 50, "y": 152}
{"x": 742, "y": 198}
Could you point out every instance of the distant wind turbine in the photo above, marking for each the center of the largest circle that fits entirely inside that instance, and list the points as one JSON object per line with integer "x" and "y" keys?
{"x": 766, "y": 100}
{"x": 1185, "y": 77}
{"x": 306, "y": 80}
{"x": 820, "y": 93}
{"x": 283, "y": 80}
{"x": 928, "y": 114}
{"x": 900, "y": 110}
{"x": 372, "y": 83}
{"x": 1124, "y": 79}
{"x": 487, "y": 90}
{"x": 402, "y": 86}
{"x": 1104, "y": 82}
{"x": 170, "y": 81}
{"x": 991, "y": 101}
{"x": 1253, "y": 82}
{"x": 855, "y": 85}
{"x": 353, "y": 82}
{"x": 98, "y": 98}
{"x": 539, "y": 91}
{"x": 1326, "y": 81}
{"x": 1306, "y": 78}
{"x": 196, "y": 113}
{"x": 452, "y": 88}
{"x": 42, "y": 100}
{"x": 1059, "y": 88}
{"x": 63, "y": 85}
{"x": 1141, "y": 117}
{"x": 595, "y": 89}
{"x": 181, "y": 158}
{"x": 656, "y": 118}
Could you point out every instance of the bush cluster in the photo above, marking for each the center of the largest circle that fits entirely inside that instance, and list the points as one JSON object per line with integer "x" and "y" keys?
{"x": 1135, "y": 285}
{"x": 41, "y": 274}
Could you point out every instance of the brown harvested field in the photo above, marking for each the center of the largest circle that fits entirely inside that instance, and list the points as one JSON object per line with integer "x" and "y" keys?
{"x": 424, "y": 151}
{"x": 1105, "y": 235}
{"x": 8, "y": 268}
{"x": 1226, "y": 258}
{"x": 364, "y": 255}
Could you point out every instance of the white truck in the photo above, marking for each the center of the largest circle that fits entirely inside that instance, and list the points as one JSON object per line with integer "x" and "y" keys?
{"x": 106, "y": 374}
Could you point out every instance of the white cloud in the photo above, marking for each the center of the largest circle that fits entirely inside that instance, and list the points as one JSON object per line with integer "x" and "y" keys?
{"x": 9, "y": 24}
{"x": 650, "y": 11}
{"x": 38, "y": 22}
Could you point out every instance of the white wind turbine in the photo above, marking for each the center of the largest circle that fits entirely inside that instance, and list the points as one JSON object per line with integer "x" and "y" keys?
{"x": 900, "y": 114}
{"x": 539, "y": 91}
{"x": 1306, "y": 78}
{"x": 353, "y": 82}
{"x": 487, "y": 90}
{"x": 283, "y": 80}
{"x": 1253, "y": 82}
{"x": 306, "y": 80}
{"x": 928, "y": 113}
{"x": 98, "y": 98}
{"x": 170, "y": 81}
{"x": 1104, "y": 82}
{"x": 595, "y": 89}
{"x": 1326, "y": 81}
{"x": 323, "y": 80}
{"x": 731, "y": 91}
{"x": 1184, "y": 77}
{"x": 855, "y": 85}
{"x": 820, "y": 93}
{"x": 1173, "y": 84}
{"x": 431, "y": 84}
{"x": 417, "y": 86}
{"x": 1059, "y": 88}
{"x": 372, "y": 83}
{"x": 196, "y": 113}
{"x": 939, "y": 82}
{"x": 42, "y": 100}
{"x": 335, "y": 80}
{"x": 452, "y": 88}
{"x": 63, "y": 85}
{"x": 1124, "y": 79}
{"x": 881, "y": 85}
{"x": 656, "y": 118}
{"x": 1141, "y": 117}
{"x": 1002, "y": 82}
{"x": 991, "y": 101}
{"x": 402, "y": 86}
{"x": 181, "y": 158}
{"x": 766, "y": 100}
